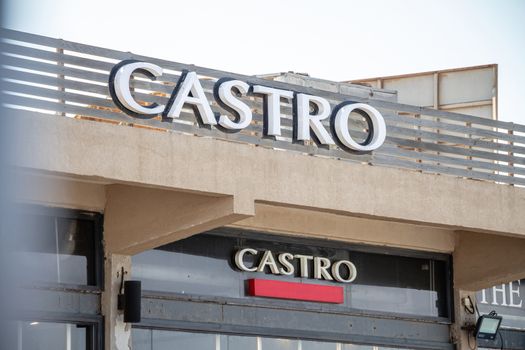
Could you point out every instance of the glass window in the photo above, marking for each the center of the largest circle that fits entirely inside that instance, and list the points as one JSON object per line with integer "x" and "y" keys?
{"x": 56, "y": 336}
{"x": 316, "y": 345}
{"x": 150, "y": 339}
{"x": 141, "y": 339}
{"x": 203, "y": 265}
{"x": 163, "y": 340}
{"x": 147, "y": 339}
{"x": 398, "y": 284}
{"x": 279, "y": 344}
{"x": 236, "y": 342}
{"x": 57, "y": 249}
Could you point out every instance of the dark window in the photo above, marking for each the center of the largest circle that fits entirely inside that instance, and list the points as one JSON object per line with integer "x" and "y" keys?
{"x": 392, "y": 280}
{"x": 59, "y": 246}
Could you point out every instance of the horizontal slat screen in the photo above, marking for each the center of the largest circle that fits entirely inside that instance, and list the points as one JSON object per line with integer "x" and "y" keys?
{"x": 67, "y": 79}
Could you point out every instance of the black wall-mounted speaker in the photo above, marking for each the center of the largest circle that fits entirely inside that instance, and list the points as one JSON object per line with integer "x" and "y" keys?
{"x": 132, "y": 298}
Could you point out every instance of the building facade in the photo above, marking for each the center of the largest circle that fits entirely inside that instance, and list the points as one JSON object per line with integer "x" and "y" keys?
{"x": 258, "y": 212}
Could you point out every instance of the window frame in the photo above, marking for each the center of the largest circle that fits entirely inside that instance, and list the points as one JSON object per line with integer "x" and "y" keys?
{"x": 94, "y": 325}
{"x": 307, "y": 306}
{"x": 89, "y": 315}
{"x": 67, "y": 213}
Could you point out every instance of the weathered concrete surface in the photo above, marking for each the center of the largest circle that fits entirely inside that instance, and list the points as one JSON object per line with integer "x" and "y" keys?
{"x": 310, "y": 223}
{"x": 185, "y": 162}
{"x": 460, "y": 333}
{"x": 353, "y": 90}
{"x": 117, "y": 334}
{"x": 57, "y": 191}
{"x": 138, "y": 218}
{"x": 483, "y": 260}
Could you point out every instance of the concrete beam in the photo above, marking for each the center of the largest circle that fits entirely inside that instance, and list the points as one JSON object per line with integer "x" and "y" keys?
{"x": 484, "y": 260}
{"x": 168, "y": 160}
{"x": 56, "y": 191}
{"x": 140, "y": 218}
{"x": 311, "y": 223}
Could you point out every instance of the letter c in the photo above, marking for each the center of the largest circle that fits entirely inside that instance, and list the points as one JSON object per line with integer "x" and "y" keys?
{"x": 119, "y": 86}
{"x": 239, "y": 256}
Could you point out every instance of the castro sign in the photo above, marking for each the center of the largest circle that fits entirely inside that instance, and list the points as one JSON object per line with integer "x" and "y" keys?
{"x": 283, "y": 264}
{"x": 308, "y": 110}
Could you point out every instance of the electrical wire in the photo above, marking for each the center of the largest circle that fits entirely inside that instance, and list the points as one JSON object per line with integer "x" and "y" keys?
{"x": 121, "y": 289}
{"x": 470, "y": 309}
{"x": 494, "y": 313}
{"x": 501, "y": 338}
{"x": 476, "y": 307}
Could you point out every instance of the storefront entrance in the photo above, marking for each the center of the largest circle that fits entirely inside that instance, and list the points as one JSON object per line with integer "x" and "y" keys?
{"x": 200, "y": 293}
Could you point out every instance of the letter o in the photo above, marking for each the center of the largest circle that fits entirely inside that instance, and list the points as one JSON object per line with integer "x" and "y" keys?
{"x": 352, "y": 271}
{"x": 376, "y": 122}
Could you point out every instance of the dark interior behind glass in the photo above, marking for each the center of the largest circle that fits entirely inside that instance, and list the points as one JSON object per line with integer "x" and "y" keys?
{"x": 55, "y": 247}
{"x": 386, "y": 281}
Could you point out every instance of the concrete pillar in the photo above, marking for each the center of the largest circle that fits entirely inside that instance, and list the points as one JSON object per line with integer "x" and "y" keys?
{"x": 117, "y": 333}
{"x": 462, "y": 334}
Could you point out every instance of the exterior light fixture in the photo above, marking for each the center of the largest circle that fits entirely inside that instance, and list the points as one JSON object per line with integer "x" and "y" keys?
{"x": 129, "y": 299}
{"x": 487, "y": 326}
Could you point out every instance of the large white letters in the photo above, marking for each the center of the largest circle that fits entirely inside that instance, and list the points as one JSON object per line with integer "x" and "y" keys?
{"x": 239, "y": 259}
{"x": 515, "y": 292}
{"x": 268, "y": 260}
{"x": 288, "y": 268}
{"x": 273, "y": 107}
{"x": 336, "y": 272}
{"x": 305, "y": 120}
{"x": 190, "y": 84}
{"x": 503, "y": 294}
{"x": 284, "y": 264}
{"x": 378, "y": 127}
{"x": 229, "y": 94}
{"x": 120, "y": 83}
{"x": 226, "y": 96}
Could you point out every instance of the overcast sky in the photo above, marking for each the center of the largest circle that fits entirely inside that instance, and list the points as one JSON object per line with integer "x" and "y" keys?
{"x": 336, "y": 40}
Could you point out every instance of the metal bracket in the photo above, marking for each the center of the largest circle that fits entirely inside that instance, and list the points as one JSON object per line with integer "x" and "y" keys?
{"x": 120, "y": 298}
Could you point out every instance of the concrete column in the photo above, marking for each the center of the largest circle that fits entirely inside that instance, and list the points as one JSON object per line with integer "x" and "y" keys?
{"x": 117, "y": 333}
{"x": 462, "y": 337}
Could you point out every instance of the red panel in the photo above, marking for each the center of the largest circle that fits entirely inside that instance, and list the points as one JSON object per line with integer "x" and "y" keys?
{"x": 295, "y": 291}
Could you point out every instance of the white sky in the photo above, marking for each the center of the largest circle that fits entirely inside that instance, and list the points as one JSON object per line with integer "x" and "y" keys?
{"x": 336, "y": 40}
